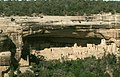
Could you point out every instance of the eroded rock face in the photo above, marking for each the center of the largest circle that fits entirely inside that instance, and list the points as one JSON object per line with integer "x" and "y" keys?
{"x": 7, "y": 50}
{"x": 4, "y": 42}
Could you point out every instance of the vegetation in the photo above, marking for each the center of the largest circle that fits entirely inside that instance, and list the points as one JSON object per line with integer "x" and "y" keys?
{"x": 57, "y": 7}
{"x": 26, "y": 74}
{"x": 88, "y": 67}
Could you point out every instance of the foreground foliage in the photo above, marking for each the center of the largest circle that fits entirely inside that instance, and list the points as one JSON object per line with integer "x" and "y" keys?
{"x": 88, "y": 67}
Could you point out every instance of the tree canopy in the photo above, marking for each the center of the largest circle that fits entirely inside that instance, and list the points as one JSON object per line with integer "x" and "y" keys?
{"x": 108, "y": 66}
{"x": 58, "y": 7}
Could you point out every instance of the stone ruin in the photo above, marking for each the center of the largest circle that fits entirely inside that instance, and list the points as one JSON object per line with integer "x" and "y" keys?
{"x": 72, "y": 53}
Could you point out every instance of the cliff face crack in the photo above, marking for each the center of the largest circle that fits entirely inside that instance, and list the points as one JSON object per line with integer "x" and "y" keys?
{"x": 7, "y": 53}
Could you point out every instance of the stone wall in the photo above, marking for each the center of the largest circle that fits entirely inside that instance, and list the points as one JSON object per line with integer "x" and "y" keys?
{"x": 78, "y": 52}
{"x": 3, "y": 68}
